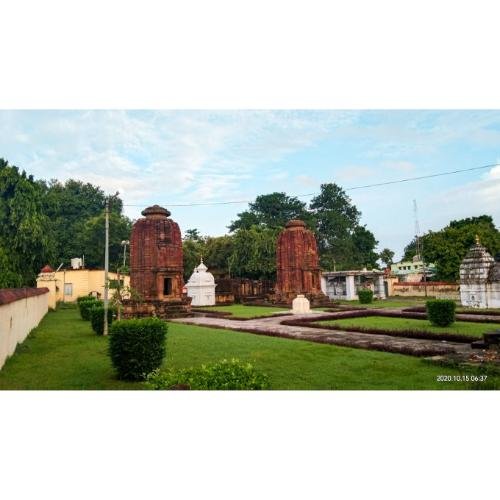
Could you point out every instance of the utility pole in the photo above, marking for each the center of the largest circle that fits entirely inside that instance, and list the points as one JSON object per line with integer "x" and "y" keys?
{"x": 106, "y": 268}
{"x": 420, "y": 250}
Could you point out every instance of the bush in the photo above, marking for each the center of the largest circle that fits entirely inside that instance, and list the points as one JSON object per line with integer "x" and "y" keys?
{"x": 441, "y": 312}
{"x": 85, "y": 304}
{"x": 224, "y": 375}
{"x": 97, "y": 317}
{"x": 137, "y": 347}
{"x": 365, "y": 296}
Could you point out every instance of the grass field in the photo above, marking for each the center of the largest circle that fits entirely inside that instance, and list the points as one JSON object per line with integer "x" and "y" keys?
{"x": 243, "y": 311}
{"x": 459, "y": 327}
{"x": 392, "y": 302}
{"x": 63, "y": 353}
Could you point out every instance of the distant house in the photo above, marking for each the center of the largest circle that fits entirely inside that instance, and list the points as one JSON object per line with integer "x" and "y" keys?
{"x": 412, "y": 270}
{"x": 66, "y": 285}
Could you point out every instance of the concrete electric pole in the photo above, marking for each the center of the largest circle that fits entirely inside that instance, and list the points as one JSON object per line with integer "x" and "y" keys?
{"x": 106, "y": 269}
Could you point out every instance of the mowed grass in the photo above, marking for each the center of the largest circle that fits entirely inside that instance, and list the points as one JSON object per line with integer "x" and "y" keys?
{"x": 396, "y": 303}
{"x": 244, "y": 311}
{"x": 459, "y": 327}
{"x": 64, "y": 353}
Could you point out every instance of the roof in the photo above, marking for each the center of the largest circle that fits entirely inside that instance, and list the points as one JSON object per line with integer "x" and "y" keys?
{"x": 8, "y": 295}
{"x": 47, "y": 269}
{"x": 155, "y": 210}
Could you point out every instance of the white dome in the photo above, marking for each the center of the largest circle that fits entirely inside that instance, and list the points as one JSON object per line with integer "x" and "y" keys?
{"x": 201, "y": 277}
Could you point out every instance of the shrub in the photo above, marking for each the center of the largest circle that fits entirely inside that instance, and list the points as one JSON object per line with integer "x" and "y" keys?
{"x": 365, "y": 296}
{"x": 137, "y": 347}
{"x": 85, "y": 304}
{"x": 441, "y": 312}
{"x": 224, "y": 375}
{"x": 97, "y": 317}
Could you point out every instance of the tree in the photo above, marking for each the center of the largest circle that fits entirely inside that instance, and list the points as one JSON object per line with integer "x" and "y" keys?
{"x": 70, "y": 206}
{"x": 91, "y": 239}
{"x": 254, "y": 253}
{"x": 447, "y": 247}
{"x": 192, "y": 234}
{"x": 387, "y": 257}
{"x": 26, "y": 242}
{"x": 342, "y": 242}
{"x": 272, "y": 211}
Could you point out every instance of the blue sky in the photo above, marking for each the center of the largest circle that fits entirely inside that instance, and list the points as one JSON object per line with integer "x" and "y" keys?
{"x": 171, "y": 157}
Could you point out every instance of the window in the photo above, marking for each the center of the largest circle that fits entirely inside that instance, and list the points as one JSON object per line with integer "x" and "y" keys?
{"x": 167, "y": 286}
{"x": 68, "y": 289}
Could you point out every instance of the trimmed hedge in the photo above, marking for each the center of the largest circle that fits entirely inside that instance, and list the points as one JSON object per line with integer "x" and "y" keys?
{"x": 85, "y": 305}
{"x": 223, "y": 375}
{"x": 365, "y": 296}
{"x": 441, "y": 312}
{"x": 137, "y": 347}
{"x": 97, "y": 318}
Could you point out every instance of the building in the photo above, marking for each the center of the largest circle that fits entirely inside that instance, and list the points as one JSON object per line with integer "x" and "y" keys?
{"x": 412, "y": 270}
{"x": 66, "y": 285}
{"x": 479, "y": 278}
{"x": 201, "y": 286}
{"x": 297, "y": 265}
{"x": 156, "y": 267}
{"x": 344, "y": 285}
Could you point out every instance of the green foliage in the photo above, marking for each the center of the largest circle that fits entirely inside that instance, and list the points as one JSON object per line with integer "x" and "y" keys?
{"x": 97, "y": 317}
{"x": 137, "y": 347}
{"x": 26, "y": 242}
{"x": 447, "y": 248}
{"x": 272, "y": 211}
{"x": 365, "y": 296}
{"x": 342, "y": 242}
{"x": 92, "y": 239}
{"x": 224, "y": 375}
{"x": 254, "y": 253}
{"x": 386, "y": 256}
{"x": 441, "y": 312}
{"x": 85, "y": 305}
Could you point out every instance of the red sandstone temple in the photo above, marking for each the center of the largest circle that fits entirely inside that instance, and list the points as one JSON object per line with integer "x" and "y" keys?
{"x": 156, "y": 267}
{"x": 297, "y": 265}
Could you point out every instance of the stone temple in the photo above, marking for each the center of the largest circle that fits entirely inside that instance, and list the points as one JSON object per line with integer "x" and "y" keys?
{"x": 297, "y": 265}
{"x": 156, "y": 267}
{"x": 479, "y": 278}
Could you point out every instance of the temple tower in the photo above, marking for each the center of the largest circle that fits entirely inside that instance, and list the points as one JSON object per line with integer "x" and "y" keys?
{"x": 156, "y": 266}
{"x": 297, "y": 264}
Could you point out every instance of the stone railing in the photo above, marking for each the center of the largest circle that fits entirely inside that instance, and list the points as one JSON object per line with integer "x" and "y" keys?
{"x": 438, "y": 289}
{"x": 21, "y": 310}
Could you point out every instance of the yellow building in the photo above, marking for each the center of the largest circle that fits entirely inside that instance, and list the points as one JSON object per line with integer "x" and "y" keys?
{"x": 67, "y": 285}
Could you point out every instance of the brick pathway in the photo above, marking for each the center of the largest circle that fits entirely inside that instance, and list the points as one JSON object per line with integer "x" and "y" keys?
{"x": 273, "y": 327}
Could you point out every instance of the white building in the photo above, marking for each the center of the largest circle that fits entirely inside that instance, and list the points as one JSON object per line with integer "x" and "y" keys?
{"x": 344, "y": 285}
{"x": 201, "y": 286}
{"x": 479, "y": 278}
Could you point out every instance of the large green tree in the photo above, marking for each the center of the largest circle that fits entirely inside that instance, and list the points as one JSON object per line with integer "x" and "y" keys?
{"x": 254, "y": 253}
{"x": 343, "y": 243}
{"x": 26, "y": 240}
{"x": 272, "y": 211}
{"x": 446, "y": 248}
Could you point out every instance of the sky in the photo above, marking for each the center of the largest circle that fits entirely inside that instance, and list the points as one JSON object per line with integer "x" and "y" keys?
{"x": 181, "y": 157}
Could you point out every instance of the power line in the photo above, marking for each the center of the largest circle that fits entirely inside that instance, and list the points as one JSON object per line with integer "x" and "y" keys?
{"x": 366, "y": 186}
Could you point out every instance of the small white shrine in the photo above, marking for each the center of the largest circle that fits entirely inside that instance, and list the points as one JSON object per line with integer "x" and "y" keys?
{"x": 201, "y": 286}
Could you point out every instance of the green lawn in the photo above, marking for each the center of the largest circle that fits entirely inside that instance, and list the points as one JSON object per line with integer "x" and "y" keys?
{"x": 391, "y": 302}
{"x": 63, "y": 353}
{"x": 459, "y": 327}
{"x": 243, "y": 311}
